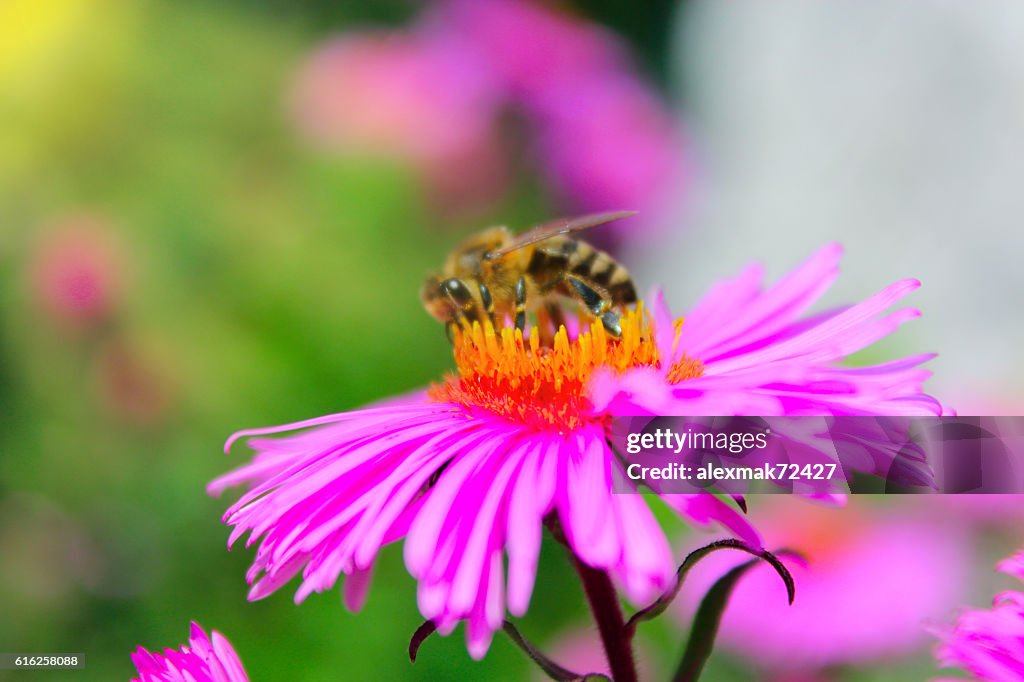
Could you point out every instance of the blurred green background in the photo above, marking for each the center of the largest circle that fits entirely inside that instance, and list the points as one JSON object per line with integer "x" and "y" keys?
{"x": 243, "y": 277}
{"x": 258, "y": 282}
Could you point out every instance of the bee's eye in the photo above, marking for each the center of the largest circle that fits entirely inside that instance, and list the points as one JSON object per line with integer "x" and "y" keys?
{"x": 457, "y": 291}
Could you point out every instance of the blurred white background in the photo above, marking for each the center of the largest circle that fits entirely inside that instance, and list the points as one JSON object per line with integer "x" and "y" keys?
{"x": 896, "y": 131}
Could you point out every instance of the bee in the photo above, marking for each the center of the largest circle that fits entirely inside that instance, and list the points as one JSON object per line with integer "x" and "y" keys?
{"x": 497, "y": 274}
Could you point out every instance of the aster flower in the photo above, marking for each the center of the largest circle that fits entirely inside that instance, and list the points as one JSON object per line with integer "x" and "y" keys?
{"x": 989, "y": 644}
{"x": 472, "y": 469}
{"x": 759, "y": 355}
{"x": 205, "y": 659}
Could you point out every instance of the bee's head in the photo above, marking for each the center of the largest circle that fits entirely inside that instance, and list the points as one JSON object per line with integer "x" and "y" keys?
{"x": 436, "y": 300}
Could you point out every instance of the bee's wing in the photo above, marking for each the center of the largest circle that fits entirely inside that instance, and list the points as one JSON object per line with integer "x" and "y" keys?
{"x": 556, "y": 227}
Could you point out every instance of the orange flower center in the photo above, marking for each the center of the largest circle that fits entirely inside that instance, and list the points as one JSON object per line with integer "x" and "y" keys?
{"x": 546, "y": 386}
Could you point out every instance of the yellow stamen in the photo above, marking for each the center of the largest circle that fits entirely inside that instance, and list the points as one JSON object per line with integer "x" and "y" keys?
{"x": 545, "y": 386}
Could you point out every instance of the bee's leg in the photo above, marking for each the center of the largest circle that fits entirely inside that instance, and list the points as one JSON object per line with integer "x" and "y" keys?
{"x": 597, "y": 305}
{"x": 557, "y": 316}
{"x": 553, "y": 319}
{"x": 521, "y": 304}
{"x": 485, "y": 298}
{"x": 610, "y": 320}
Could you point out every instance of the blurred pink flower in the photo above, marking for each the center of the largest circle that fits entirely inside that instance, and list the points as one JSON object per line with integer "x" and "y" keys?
{"x": 471, "y": 469}
{"x": 202, "y": 661}
{"x": 602, "y": 137}
{"x": 434, "y": 96}
{"x": 580, "y": 651}
{"x": 989, "y": 644}
{"x": 403, "y": 96}
{"x": 625, "y": 150}
{"x": 982, "y": 510}
{"x": 532, "y": 48}
{"x": 875, "y": 577}
{"x": 76, "y": 271}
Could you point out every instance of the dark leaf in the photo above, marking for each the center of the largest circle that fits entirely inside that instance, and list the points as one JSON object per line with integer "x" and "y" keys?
{"x": 422, "y": 632}
{"x": 658, "y": 607}
{"x": 709, "y": 615}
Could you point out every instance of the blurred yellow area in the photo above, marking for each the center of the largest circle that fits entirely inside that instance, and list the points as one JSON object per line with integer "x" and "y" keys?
{"x": 60, "y": 63}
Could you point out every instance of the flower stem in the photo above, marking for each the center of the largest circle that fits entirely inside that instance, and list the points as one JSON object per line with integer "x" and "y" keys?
{"x": 604, "y": 604}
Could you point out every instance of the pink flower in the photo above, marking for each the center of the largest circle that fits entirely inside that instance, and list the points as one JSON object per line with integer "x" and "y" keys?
{"x": 469, "y": 471}
{"x": 603, "y": 137}
{"x": 984, "y": 510}
{"x": 580, "y": 651}
{"x": 761, "y": 356}
{"x": 465, "y": 473}
{"x": 75, "y": 273}
{"x": 626, "y": 151}
{"x": 989, "y": 644}
{"x": 872, "y": 581}
{"x": 436, "y": 97}
{"x": 406, "y": 97}
{"x": 201, "y": 661}
{"x": 563, "y": 49}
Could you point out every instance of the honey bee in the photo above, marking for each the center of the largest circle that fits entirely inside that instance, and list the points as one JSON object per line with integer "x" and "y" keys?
{"x": 505, "y": 276}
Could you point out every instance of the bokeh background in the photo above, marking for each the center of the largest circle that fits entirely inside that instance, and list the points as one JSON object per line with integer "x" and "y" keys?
{"x": 217, "y": 215}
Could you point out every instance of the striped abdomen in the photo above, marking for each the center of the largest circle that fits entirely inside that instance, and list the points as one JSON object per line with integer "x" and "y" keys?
{"x": 561, "y": 256}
